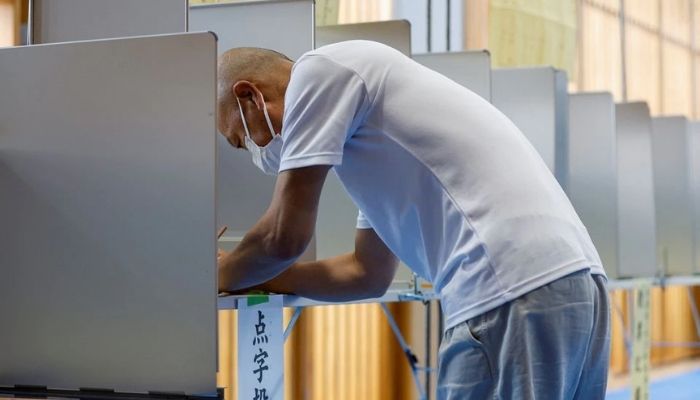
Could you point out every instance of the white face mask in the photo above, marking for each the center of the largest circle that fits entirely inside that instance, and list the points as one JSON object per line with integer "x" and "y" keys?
{"x": 266, "y": 158}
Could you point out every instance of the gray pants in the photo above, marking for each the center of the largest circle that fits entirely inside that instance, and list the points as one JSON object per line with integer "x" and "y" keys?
{"x": 552, "y": 343}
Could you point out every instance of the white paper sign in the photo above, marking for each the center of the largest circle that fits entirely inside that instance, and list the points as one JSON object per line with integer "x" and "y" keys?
{"x": 641, "y": 341}
{"x": 260, "y": 348}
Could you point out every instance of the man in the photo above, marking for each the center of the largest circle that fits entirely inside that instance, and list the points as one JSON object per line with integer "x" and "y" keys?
{"x": 443, "y": 181}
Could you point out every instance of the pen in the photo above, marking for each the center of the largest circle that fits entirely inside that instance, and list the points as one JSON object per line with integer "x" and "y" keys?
{"x": 221, "y": 232}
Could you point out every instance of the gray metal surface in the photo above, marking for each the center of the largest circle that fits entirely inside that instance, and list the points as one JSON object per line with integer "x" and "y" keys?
{"x": 615, "y": 284}
{"x": 55, "y": 21}
{"x": 536, "y": 100}
{"x": 337, "y": 214}
{"x": 671, "y": 151}
{"x": 107, "y": 214}
{"x": 695, "y": 186}
{"x": 635, "y": 194}
{"x": 593, "y": 171}
{"x": 284, "y": 26}
{"x": 471, "y": 69}
{"x": 396, "y": 34}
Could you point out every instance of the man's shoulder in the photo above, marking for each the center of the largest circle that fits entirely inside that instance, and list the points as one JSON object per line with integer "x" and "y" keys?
{"x": 347, "y": 52}
{"x": 333, "y": 60}
{"x": 349, "y": 46}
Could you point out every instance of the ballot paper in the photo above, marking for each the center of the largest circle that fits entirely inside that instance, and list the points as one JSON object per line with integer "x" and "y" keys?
{"x": 260, "y": 348}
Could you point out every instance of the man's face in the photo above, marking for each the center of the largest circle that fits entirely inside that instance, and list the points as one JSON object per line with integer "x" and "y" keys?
{"x": 230, "y": 126}
{"x": 253, "y": 102}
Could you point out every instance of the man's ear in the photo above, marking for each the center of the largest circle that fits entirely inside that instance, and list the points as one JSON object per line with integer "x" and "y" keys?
{"x": 247, "y": 90}
{"x": 242, "y": 89}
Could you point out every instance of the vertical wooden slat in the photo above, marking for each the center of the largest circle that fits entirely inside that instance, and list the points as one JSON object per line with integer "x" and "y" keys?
{"x": 222, "y": 377}
{"x": 10, "y": 15}
{"x": 372, "y": 351}
{"x": 226, "y": 377}
{"x": 657, "y": 327}
{"x": 291, "y": 366}
{"x": 476, "y": 24}
{"x": 353, "y": 391}
{"x": 346, "y": 369}
{"x": 618, "y": 353}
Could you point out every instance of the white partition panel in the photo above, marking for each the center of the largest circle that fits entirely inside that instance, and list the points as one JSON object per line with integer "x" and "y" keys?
{"x": 671, "y": 151}
{"x": 695, "y": 188}
{"x": 337, "y": 214}
{"x": 396, "y": 34}
{"x": 471, "y": 69}
{"x": 286, "y": 26}
{"x": 635, "y": 195}
{"x": 593, "y": 171}
{"x": 536, "y": 100}
{"x": 53, "y": 21}
{"x": 107, "y": 208}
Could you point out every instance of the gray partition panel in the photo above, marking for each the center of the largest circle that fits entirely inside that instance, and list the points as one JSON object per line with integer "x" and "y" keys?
{"x": 536, "y": 100}
{"x": 471, "y": 69}
{"x": 54, "y": 21}
{"x": 635, "y": 195}
{"x": 396, "y": 34}
{"x": 672, "y": 194}
{"x": 695, "y": 188}
{"x": 337, "y": 214}
{"x": 286, "y": 26}
{"x": 593, "y": 171}
{"x": 107, "y": 240}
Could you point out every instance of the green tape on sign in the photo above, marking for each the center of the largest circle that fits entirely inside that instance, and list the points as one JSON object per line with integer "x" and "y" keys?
{"x": 255, "y": 299}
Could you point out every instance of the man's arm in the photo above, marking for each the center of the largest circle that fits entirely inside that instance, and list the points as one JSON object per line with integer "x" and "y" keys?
{"x": 365, "y": 273}
{"x": 282, "y": 233}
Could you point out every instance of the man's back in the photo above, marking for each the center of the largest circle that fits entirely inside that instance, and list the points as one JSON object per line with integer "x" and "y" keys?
{"x": 447, "y": 181}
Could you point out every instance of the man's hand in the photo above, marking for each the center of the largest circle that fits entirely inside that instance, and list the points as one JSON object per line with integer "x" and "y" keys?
{"x": 280, "y": 236}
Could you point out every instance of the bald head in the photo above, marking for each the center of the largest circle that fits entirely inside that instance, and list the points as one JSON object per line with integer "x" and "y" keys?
{"x": 256, "y": 77}
{"x": 251, "y": 64}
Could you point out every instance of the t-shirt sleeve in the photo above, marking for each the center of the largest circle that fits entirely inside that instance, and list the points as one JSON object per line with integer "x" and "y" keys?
{"x": 362, "y": 221}
{"x": 323, "y": 103}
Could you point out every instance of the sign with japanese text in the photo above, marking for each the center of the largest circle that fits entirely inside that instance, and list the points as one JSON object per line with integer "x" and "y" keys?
{"x": 641, "y": 341}
{"x": 260, "y": 348}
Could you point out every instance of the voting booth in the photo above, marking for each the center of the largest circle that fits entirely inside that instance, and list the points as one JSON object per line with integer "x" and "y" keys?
{"x": 673, "y": 196}
{"x": 635, "y": 192}
{"x": 535, "y": 99}
{"x": 107, "y": 240}
{"x": 243, "y": 191}
{"x": 251, "y": 24}
{"x": 281, "y": 25}
{"x": 337, "y": 214}
{"x": 396, "y": 34}
{"x": 53, "y": 21}
{"x": 471, "y": 69}
{"x": 593, "y": 171}
{"x": 695, "y": 188}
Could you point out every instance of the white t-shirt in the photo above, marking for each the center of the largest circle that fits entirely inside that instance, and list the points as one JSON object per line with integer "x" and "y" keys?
{"x": 447, "y": 181}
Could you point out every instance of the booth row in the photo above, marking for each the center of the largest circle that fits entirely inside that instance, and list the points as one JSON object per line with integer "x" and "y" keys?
{"x": 629, "y": 176}
{"x": 637, "y": 202}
